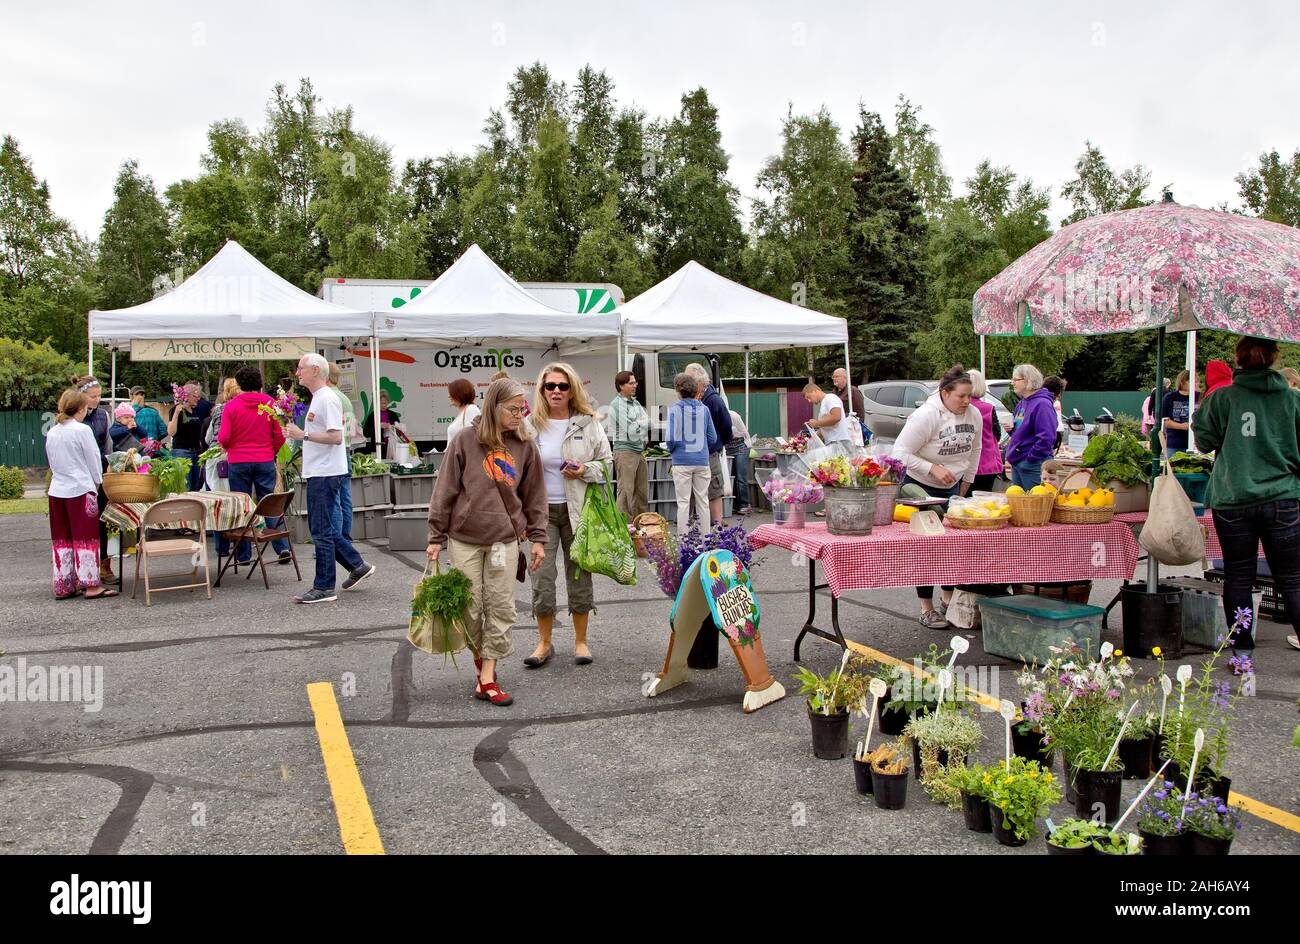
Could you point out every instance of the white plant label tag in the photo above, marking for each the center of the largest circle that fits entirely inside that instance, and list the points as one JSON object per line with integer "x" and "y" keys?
{"x": 878, "y": 687}
{"x": 1184, "y": 674}
{"x": 1107, "y": 650}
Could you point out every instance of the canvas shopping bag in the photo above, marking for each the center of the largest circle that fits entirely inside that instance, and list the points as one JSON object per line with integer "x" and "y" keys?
{"x": 433, "y": 634}
{"x": 1172, "y": 533}
{"x": 601, "y": 544}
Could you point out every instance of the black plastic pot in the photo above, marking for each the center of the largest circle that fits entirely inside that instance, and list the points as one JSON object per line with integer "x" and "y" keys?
{"x": 704, "y": 651}
{"x": 892, "y": 720}
{"x": 916, "y": 758}
{"x": 1207, "y": 782}
{"x": 1095, "y": 787}
{"x": 1136, "y": 757}
{"x": 1163, "y": 845}
{"x": 1003, "y": 832}
{"x": 1071, "y": 778}
{"x": 1152, "y": 619}
{"x": 1061, "y": 850}
{"x": 1030, "y": 746}
{"x": 830, "y": 734}
{"x": 1204, "y": 845}
{"x": 890, "y": 790}
{"x": 862, "y": 775}
{"x": 975, "y": 810}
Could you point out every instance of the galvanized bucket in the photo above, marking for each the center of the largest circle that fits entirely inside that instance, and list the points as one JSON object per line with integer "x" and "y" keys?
{"x": 850, "y": 512}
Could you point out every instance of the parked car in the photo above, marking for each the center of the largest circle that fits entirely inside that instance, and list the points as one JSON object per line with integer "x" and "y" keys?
{"x": 888, "y": 403}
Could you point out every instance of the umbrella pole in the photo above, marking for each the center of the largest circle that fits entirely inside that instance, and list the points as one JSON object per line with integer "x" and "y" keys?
{"x": 983, "y": 359}
{"x": 1153, "y": 566}
{"x": 1191, "y": 393}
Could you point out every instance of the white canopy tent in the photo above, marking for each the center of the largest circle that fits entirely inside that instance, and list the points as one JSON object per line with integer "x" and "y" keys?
{"x": 695, "y": 309}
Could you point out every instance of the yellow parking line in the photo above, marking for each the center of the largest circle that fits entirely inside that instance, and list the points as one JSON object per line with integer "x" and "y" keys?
{"x": 356, "y": 822}
{"x": 1255, "y": 808}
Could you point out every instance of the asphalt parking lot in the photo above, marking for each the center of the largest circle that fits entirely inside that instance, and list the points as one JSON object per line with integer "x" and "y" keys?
{"x": 209, "y": 741}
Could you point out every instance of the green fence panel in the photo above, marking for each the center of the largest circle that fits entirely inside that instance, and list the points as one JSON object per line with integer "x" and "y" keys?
{"x": 1089, "y": 403}
{"x": 766, "y": 406}
{"x": 22, "y": 442}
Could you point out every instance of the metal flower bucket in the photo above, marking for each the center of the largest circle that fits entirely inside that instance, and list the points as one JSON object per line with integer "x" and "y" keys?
{"x": 850, "y": 512}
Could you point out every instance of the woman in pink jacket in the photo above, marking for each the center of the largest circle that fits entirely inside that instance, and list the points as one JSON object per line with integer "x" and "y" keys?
{"x": 251, "y": 439}
{"x": 990, "y": 466}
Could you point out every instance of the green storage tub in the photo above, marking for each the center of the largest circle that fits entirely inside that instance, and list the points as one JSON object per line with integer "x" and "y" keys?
{"x": 1025, "y": 628}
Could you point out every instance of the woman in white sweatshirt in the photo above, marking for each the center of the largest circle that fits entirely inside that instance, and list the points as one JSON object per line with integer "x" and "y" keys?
{"x": 940, "y": 445}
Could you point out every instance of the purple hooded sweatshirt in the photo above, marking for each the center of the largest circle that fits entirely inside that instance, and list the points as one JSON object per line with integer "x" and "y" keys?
{"x": 1034, "y": 435}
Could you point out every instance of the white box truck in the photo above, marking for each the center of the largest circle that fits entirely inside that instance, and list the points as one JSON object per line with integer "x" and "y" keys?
{"x": 416, "y": 376}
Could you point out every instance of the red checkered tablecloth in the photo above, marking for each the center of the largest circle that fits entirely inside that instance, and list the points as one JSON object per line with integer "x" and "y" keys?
{"x": 1213, "y": 551}
{"x": 895, "y": 557}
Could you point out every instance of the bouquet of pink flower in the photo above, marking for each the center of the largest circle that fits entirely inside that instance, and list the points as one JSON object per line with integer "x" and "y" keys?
{"x": 792, "y": 491}
{"x": 895, "y": 470}
{"x": 283, "y": 408}
{"x": 844, "y": 472}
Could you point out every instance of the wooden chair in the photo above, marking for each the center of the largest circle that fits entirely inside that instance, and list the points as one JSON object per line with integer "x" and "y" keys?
{"x": 172, "y": 511}
{"x": 271, "y": 506}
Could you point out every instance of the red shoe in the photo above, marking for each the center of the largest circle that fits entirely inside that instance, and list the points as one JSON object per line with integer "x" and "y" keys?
{"x": 492, "y": 692}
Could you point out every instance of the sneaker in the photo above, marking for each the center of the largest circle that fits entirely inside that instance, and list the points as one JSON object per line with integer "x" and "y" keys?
{"x": 315, "y": 595}
{"x": 744, "y": 511}
{"x": 286, "y": 558}
{"x": 1293, "y": 642}
{"x": 358, "y": 575}
{"x": 933, "y": 620}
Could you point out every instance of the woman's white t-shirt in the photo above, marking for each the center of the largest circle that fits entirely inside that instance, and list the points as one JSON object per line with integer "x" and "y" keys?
{"x": 550, "y": 442}
{"x": 462, "y": 421}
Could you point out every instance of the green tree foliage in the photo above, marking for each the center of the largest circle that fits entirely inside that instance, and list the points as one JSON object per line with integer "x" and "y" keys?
{"x": 1097, "y": 189}
{"x": 433, "y": 194}
{"x": 218, "y": 205}
{"x": 33, "y": 375}
{"x": 135, "y": 244}
{"x": 545, "y": 229}
{"x": 1272, "y": 190}
{"x": 886, "y": 295}
{"x": 918, "y": 156}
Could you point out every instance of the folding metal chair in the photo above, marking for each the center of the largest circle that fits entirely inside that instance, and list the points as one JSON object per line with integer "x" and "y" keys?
{"x": 271, "y": 506}
{"x": 172, "y": 511}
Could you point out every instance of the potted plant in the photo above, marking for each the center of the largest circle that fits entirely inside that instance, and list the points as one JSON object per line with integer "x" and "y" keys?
{"x": 892, "y": 718}
{"x": 1211, "y": 825}
{"x": 917, "y": 692}
{"x": 829, "y": 698}
{"x": 1207, "y": 702}
{"x": 1160, "y": 821}
{"x": 849, "y": 484}
{"x": 1135, "y": 750}
{"x": 889, "y": 775}
{"x": 1027, "y": 734}
{"x": 1074, "y": 837}
{"x": 973, "y": 785}
{"x": 940, "y": 739}
{"x": 1024, "y": 793}
{"x": 1113, "y": 843}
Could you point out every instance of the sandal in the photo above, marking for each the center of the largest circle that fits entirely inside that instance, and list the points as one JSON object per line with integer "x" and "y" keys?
{"x": 103, "y": 593}
{"x": 492, "y": 692}
{"x": 933, "y": 620}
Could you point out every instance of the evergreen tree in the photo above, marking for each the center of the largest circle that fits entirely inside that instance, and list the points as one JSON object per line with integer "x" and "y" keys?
{"x": 135, "y": 246}
{"x": 887, "y": 283}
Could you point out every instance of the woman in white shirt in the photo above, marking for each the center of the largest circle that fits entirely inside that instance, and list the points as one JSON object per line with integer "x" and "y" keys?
{"x": 940, "y": 445}
{"x": 76, "y": 471}
{"x": 462, "y": 395}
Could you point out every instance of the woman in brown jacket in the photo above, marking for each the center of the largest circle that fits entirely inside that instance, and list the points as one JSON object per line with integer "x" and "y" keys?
{"x": 490, "y": 496}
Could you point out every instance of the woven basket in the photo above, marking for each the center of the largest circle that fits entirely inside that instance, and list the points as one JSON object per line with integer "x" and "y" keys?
{"x": 1063, "y": 515}
{"x": 127, "y": 487}
{"x": 977, "y": 524}
{"x": 655, "y": 527}
{"x": 1031, "y": 511}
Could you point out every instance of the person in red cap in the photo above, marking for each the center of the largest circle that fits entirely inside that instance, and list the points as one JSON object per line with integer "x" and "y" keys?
{"x": 1217, "y": 374}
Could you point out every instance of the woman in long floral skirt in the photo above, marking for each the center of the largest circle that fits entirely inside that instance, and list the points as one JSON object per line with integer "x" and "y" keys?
{"x": 76, "y": 472}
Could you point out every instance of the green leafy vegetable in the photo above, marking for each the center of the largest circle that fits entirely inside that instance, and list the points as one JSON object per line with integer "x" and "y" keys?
{"x": 1119, "y": 457}
{"x": 366, "y": 464}
{"x": 172, "y": 474}
{"x": 212, "y": 452}
{"x": 1188, "y": 463}
{"x": 446, "y": 596}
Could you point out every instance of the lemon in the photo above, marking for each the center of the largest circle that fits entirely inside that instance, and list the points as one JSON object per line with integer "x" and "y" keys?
{"x": 1017, "y": 490}
{"x": 1040, "y": 490}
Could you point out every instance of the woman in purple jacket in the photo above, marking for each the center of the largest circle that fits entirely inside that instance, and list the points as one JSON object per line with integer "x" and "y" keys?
{"x": 1033, "y": 435}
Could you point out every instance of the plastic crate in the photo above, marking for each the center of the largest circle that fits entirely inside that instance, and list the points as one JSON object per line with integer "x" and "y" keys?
{"x": 376, "y": 529}
{"x": 407, "y": 531}
{"x": 413, "y": 489}
{"x": 375, "y": 490}
{"x": 1193, "y": 484}
{"x": 1025, "y": 628}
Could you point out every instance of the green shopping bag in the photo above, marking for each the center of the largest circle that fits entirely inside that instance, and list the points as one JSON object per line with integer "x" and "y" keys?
{"x": 432, "y": 632}
{"x": 602, "y": 545}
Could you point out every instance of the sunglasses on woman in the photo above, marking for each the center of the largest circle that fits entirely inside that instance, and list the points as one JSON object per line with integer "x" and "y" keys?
{"x": 555, "y": 386}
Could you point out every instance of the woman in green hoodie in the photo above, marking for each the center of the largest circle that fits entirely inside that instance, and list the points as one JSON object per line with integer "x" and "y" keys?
{"x": 1254, "y": 490}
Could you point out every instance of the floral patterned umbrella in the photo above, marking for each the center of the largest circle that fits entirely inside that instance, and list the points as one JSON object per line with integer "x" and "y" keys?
{"x": 1164, "y": 265}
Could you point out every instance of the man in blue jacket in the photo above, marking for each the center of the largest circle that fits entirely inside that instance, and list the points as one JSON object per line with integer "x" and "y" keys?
{"x": 1033, "y": 435}
{"x": 721, "y": 416}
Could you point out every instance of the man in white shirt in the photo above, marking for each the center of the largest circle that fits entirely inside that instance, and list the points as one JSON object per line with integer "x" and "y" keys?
{"x": 326, "y": 468}
{"x": 830, "y": 423}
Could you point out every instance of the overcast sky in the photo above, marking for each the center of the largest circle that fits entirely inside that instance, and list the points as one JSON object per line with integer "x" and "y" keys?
{"x": 1192, "y": 90}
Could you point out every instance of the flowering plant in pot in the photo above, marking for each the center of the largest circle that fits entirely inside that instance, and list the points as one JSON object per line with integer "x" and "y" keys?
{"x": 973, "y": 785}
{"x": 917, "y": 692}
{"x": 1160, "y": 820}
{"x": 1017, "y": 798}
{"x": 941, "y": 740}
{"x": 1206, "y": 701}
{"x": 1211, "y": 825}
{"x": 1074, "y": 837}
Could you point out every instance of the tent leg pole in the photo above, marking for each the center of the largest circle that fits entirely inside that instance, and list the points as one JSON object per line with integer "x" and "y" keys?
{"x": 374, "y": 391}
{"x": 90, "y": 355}
{"x": 748, "y": 420}
{"x": 1153, "y": 566}
{"x": 112, "y": 389}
